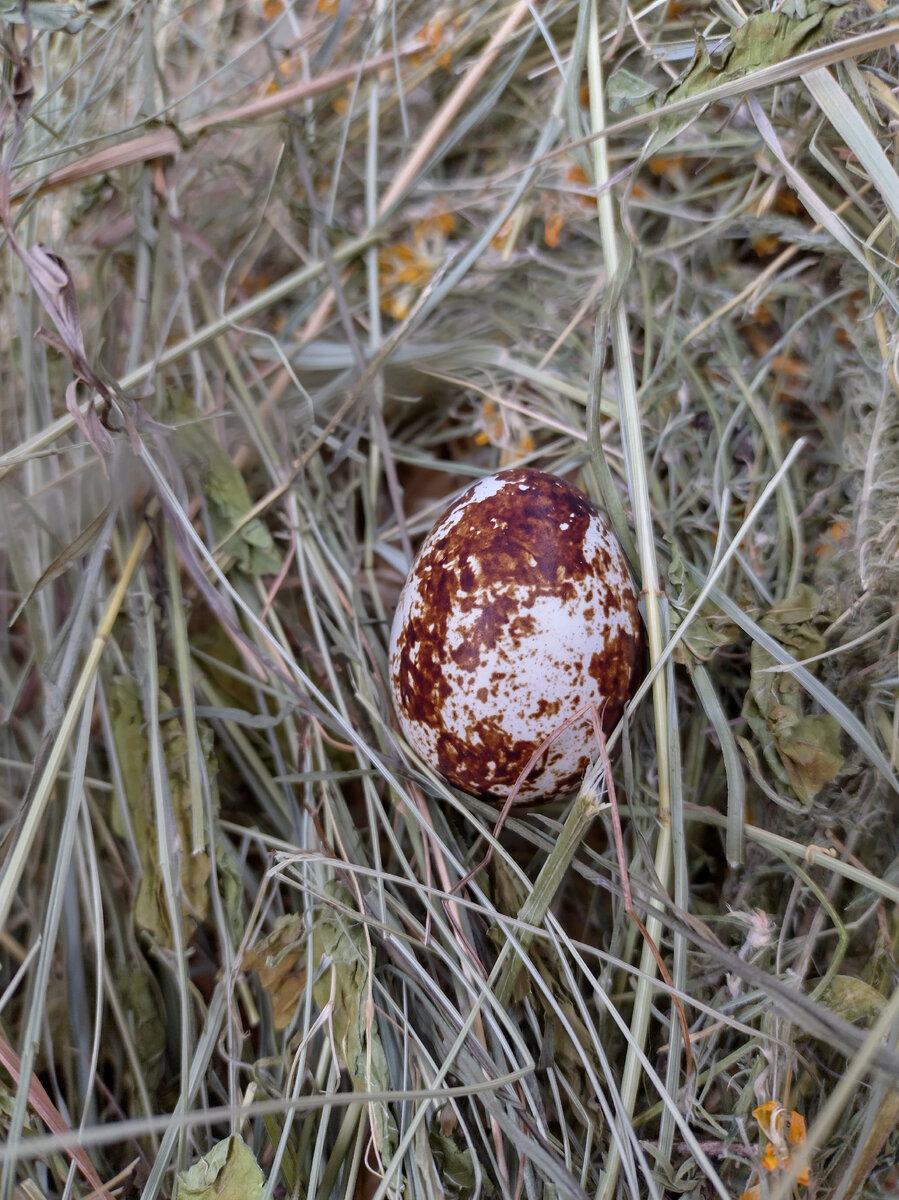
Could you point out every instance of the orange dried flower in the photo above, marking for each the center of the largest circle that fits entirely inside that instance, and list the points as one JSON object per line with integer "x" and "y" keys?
{"x": 786, "y": 201}
{"x": 784, "y": 1128}
{"x": 662, "y": 164}
{"x": 500, "y": 239}
{"x": 431, "y": 32}
{"x": 286, "y": 71}
{"x": 552, "y": 229}
{"x": 439, "y": 223}
{"x": 762, "y": 314}
{"x": 405, "y": 267}
{"x": 503, "y": 427}
{"x": 578, "y": 176}
{"x": 765, "y": 245}
{"x": 830, "y": 539}
{"x": 432, "y": 35}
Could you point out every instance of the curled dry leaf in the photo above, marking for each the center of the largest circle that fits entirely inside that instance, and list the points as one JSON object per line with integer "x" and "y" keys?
{"x": 52, "y": 282}
{"x": 89, "y": 422}
{"x": 51, "y": 279}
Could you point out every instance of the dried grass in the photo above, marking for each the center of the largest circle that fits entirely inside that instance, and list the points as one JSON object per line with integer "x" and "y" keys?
{"x": 315, "y": 268}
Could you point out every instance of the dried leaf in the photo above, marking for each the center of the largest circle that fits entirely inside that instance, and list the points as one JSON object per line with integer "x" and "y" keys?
{"x": 18, "y": 95}
{"x": 88, "y": 422}
{"x": 809, "y": 748}
{"x": 228, "y": 1172}
{"x": 569, "y": 1054}
{"x": 52, "y": 281}
{"x": 279, "y": 961}
{"x": 343, "y": 988}
{"x": 130, "y": 741}
{"x": 226, "y": 494}
{"x": 853, "y": 999}
{"x": 457, "y": 1174}
{"x": 801, "y": 749}
{"x": 230, "y": 879}
{"x": 55, "y": 288}
{"x": 143, "y": 1001}
{"x": 708, "y": 631}
{"x": 70, "y": 554}
{"x": 195, "y": 868}
{"x": 764, "y": 39}
{"x": 150, "y": 908}
{"x": 626, "y": 90}
{"x": 7, "y": 1108}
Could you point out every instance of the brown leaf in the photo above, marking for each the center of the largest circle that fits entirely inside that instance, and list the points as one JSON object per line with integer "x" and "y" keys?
{"x": 279, "y": 961}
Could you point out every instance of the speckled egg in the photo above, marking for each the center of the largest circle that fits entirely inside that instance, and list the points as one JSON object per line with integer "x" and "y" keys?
{"x": 518, "y": 611}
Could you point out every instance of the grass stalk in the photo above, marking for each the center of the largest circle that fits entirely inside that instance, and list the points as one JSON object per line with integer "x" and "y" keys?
{"x": 385, "y": 260}
{"x": 38, "y": 800}
{"x": 632, "y": 438}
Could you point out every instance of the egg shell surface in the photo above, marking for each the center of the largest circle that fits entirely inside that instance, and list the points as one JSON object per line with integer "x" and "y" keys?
{"x": 519, "y": 611}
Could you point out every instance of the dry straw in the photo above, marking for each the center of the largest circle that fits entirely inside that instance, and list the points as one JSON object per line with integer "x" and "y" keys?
{"x": 281, "y": 279}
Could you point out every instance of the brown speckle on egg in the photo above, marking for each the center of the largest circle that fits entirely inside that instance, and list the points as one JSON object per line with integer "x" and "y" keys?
{"x": 518, "y": 612}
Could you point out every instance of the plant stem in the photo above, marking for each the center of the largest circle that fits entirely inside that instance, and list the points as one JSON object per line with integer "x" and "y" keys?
{"x": 586, "y": 807}
{"x": 632, "y": 439}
